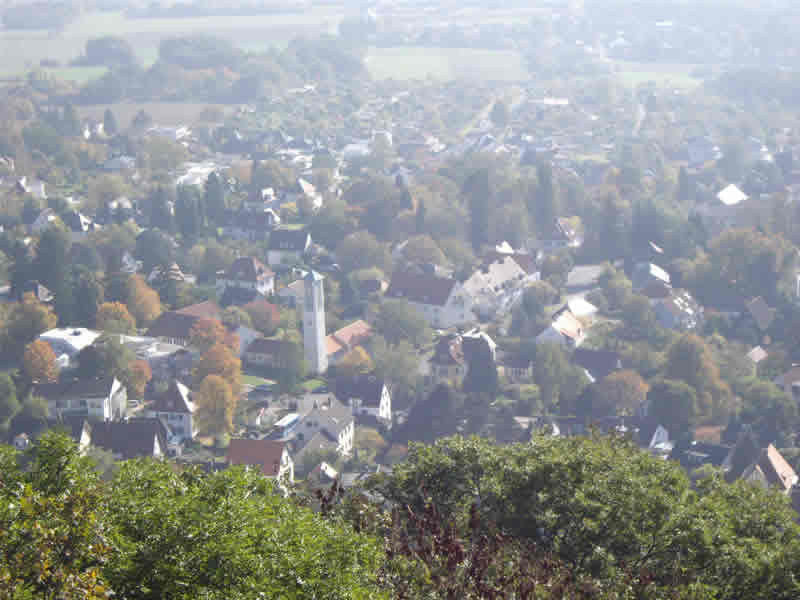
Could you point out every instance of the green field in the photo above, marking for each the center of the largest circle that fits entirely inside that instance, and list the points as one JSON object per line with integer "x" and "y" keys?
{"x": 416, "y": 62}
{"x": 669, "y": 75}
{"x": 255, "y": 380}
{"x": 23, "y": 50}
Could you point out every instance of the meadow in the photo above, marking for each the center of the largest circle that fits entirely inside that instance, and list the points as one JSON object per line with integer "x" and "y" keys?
{"x": 415, "y": 62}
{"x": 163, "y": 113}
{"x": 669, "y": 75}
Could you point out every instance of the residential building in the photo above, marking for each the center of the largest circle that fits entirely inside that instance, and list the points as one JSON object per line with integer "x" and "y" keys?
{"x": 565, "y": 329}
{"x": 247, "y": 273}
{"x": 173, "y": 327}
{"x": 304, "y": 192}
{"x": 329, "y": 424}
{"x": 494, "y": 285}
{"x": 271, "y": 457}
{"x": 441, "y": 301}
{"x": 314, "y": 340}
{"x": 287, "y": 247}
{"x": 731, "y": 207}
{"x": 340, "y": 342}
{"x": 68, "y": 342}
{"x": 678, "y": 310}
{"x": 447, "y": 362}
{"x": 367, "y": 395}
{"x": 648, "y": 277}
{"x": 174, "y": 407}
{"x": 79, "y": 225}
{"x": 251, "y": 226}
{"x": 765, "y": 467}
{"x": 564, "y": 235}
{"x": 132, "y": 438}
{"x": 99, "y": 399}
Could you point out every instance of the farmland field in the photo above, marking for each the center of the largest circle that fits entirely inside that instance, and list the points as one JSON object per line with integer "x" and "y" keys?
{"x": 22, "y": 50}
{"x": 416, "y": 62}
{"x": 675, "y": 75}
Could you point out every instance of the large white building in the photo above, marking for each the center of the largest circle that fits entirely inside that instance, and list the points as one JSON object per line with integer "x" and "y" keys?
{"x": 314, "y": 340}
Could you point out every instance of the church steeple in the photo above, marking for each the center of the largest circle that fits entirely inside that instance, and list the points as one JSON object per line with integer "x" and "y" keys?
{"x": 314, "y": 344}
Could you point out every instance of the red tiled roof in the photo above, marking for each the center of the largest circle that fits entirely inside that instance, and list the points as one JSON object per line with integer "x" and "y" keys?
{"x": 421, "y": 288}
{"x": 262, "y": 453}
{"x": 173, "y": 325}
{"x": 353, "y": 334}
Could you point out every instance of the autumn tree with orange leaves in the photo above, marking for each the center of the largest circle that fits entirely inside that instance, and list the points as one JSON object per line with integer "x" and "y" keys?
{"x": 143, "y": 301}
{"x": 113, "y": 317}
{"x": 216, "y": 405}
{"x": 137, "y": 377}
{"x": 39, "y": 362}
{"x": 220, "y": 360}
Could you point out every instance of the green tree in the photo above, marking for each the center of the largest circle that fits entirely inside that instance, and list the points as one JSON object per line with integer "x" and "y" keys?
{"x": 550, "y": 369}
{"x": 478, "y": 191}
{"x": 110, "y": 123}
{"x": 9, "y": 405}
{"x": 500, "y": 114}
{"x": 397, "y": 320}
{"x": 214, "y": 198}
{"x": 361, "y": 250}
{"x": 673, "y": 404}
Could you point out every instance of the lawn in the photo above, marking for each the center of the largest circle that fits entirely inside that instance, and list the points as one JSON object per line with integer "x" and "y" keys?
{"x": 417, "y": 62}
{"x": 670, "y": 75}
{"x": 255, "y": 380}
{"x": 312, "y": 384}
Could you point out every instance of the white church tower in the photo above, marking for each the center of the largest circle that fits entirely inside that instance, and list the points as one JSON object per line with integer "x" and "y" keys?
{"x": 314, "y": 344}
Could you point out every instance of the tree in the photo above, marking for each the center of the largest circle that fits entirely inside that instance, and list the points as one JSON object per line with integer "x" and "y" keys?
{"x": 673, "y": 404}
{"x": 71, "y": 122}
{"x": 355, "y": 362}
{"x": 216, "y": 405}
{"x": 478, "y": 191}
{"x": 142, "y": 121}
{"x": 293, "y": 367}
{"x": 207, "y": 332}
{"x": 138, "y": 376}
{"x": 422, "y": 249}
{"x": 27, "y": 320}
{"x": 264, "y": 317}
{"x": 500, "y": 114}
{"x": 39, "y": 362}
{"x": 436, "y": 416}
{"x": 110, "y": 123}
{"x": 9, "y": 404}
{"x": 113, "y": 317}
{"x": 107, "y": 356}
{"x": 220, "y": 360}
{"x": 481, "y": 377}
{"x": 188, "y": 214}
{"x": 690, "y": 360}
{"x": 399, "y": 364}
{"x": 620, "y": 393}
{"x": 768, "y": 409}
{"x": 235, "y": 317}
{"x": 361, "y": 250}
{"x": 51, "y": 265}
{"x": 142, "y": 300}
{"x": 154, "y": 248}
{"x": 161, "y": 213}
{"x": 545, "y": 209}
{"x": 397, "y": 320}
{"x": 55, "y": 540}
{"x": 214, "y": 198}
{"x": 550, "y": 369}
{"x": 88, "y": 295}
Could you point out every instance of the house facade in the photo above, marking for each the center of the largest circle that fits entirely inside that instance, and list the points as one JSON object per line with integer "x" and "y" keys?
{"x": 247, "y": 273}
{"x": 271, "y": 457}
{"x": 174, "y": 408}
{"x": 441, "y": 301}
{"x": 287, "y": 247}
{"x": 367, "y": 395}
{"x": 97, "y": 399}
{"x": 270, "y": 353}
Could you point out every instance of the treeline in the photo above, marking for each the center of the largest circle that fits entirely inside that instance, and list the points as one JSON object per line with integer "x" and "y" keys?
{"x": 183, "y": 10}
{"x": 39, "y": 15}
{"x": 559, "y": 518}
{"x": 207, "y": 68}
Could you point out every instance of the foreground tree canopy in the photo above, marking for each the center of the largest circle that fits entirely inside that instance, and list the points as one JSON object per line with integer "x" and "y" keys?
{"x": 558, "y": 518}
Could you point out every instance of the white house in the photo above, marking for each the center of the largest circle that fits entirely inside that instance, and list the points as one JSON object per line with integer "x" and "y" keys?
{"x": 46, "y": 219}
{"x": 287, "y": 246}
{"x": 731, "y": 207}
{"x": 367, "y": 395}
{"x": 441, "y": 301}
{"x": 304, "y": 191}
{"x": 175, "y": 409}
{"x": 493, "y": 283}
{"x": 328, "y": 421}
{"x": 247, "y": 273}
{"x": 99, "y": 399}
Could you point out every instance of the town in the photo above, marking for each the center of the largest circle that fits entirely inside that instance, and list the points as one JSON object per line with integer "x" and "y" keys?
{"x": 307, "y": 268}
